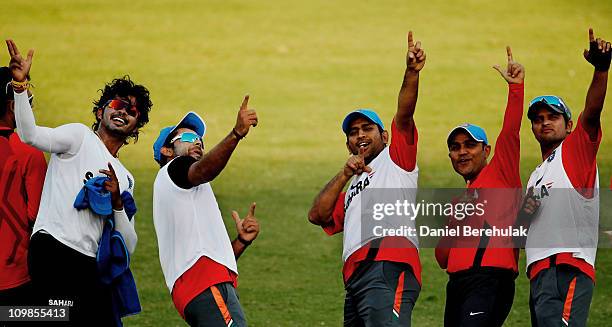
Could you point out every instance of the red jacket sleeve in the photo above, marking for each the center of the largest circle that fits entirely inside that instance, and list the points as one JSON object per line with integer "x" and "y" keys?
{"x": 579, "y": 159}
{"x": 505, "y": 161}
{"x": 36, "y": 170}
{"x": 337, "y": 223}
{"x": 403, "y": 148}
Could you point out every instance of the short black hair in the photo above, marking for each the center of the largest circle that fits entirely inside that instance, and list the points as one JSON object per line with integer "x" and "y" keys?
{"x": 5, "y": 95}
{"x": 6, "y": 89}
{"x": 124, "y": 87}
{"x": 163, "y": 160}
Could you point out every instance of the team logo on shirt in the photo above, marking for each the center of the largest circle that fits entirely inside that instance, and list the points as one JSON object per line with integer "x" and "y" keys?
{"x": 552, "y": 156}
{"x": 354, "y": 190}
{"x": 543, "y": 190}
{"x": 88, "y": 175}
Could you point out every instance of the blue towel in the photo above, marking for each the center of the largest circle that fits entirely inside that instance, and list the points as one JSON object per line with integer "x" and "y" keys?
{"x": 113, "y": 258}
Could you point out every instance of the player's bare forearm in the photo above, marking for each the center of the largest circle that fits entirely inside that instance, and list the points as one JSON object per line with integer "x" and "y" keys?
{"x": 324, "y": 203}
{"x": 212, "y": 163}
{"x": 591, "y": 118}
{"x": 407, "y": 99}
{"x": 238, "y": 248}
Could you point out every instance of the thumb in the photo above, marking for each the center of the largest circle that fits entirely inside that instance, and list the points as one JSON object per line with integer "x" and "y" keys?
{"x": 252, "y": 209}
{"x": 500, "y": 70}
{"x": 30, "y": 55}
{"x": 530, "y": 192}
{"x": 245, "y": 102}
{"x": 367, "y": 169}
{"x": 585, "y": 53}
{"x": 236, "y": 217}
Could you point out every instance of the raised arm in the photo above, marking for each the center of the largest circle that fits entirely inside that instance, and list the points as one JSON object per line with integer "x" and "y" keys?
{"x": 54, "y": 140}
{"x": 324, "y": 203}
{"x": 407, "y": 99}
{"x": 599, "y": 55}
{"x": 212, "y": 163}
{"x": 507, "y": 146}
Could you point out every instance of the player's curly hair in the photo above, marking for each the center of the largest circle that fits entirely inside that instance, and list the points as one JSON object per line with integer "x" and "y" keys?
{"x": 124, "y": 87}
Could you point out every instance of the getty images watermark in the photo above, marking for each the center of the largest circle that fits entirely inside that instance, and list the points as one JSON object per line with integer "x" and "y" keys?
{"x": 475, "y": 218}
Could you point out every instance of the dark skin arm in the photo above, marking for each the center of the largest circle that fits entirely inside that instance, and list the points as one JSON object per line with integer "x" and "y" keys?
{"x": 324, "y": 203}
{"x": 407, "y": 99}
{"x": 598, "y": 55}
{"x": 528, "y": 209}
{"x": 212, "y": 163}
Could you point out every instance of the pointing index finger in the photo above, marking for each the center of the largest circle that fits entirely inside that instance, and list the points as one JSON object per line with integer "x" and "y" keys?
{"x": 245, "y": 102}
{"x": 509, "y": 52}
{"x": 591, "y": 35}
{"x": 110, "y": 167}
{"x": 410, "y": 40}
{"x": 252, "y": 209}
{"x": 362, "y": 153}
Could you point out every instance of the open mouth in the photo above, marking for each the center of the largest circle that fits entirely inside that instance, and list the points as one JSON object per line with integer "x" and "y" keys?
{"x": 363, "y": 145}
{"x": 119, "y": 121}
{"x": 463, "y": 162}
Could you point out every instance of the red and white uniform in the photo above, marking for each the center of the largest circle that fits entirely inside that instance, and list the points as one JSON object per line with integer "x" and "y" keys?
{"x": 566, "y": 224}
{"x": 393, "y": 168}
{"x": 195, "y": 251}
{"x": 500, "y": 184}
{"x": 22, "y": 173}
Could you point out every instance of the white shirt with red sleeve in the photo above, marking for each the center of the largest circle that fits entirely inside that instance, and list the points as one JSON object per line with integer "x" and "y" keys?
{"x": 566, "y": 225}
{"x": 394, "y": 168}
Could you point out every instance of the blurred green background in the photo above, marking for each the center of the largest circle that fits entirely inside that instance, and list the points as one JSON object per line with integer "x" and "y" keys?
{"x": 306, "y": 64}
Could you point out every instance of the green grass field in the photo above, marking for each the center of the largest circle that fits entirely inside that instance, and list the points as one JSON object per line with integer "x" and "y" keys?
{"x": 306, "y": 64}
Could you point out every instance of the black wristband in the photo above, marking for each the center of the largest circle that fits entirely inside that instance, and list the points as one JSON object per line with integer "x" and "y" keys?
{"x": 241, "y": 240}
{"x": 237, "y": 135}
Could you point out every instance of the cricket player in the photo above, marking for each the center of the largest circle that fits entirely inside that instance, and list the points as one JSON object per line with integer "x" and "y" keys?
{"x": 64, "y": 243}
{"x": 480, "y": 288}
{"x": 197, "y": 258}
{"x": 563, "y": 200}
{"x": 382, "y": 276}
{"x": 22, "y": 173}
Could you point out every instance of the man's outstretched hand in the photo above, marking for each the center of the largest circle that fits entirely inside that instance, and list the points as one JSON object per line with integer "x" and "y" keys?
{"x": 19, "y": 66}
{"x": 248, "y": 227}
{"x": 514, "y": 72}
{"x": 415, "y": 58}
{"x": 599, "y": 53}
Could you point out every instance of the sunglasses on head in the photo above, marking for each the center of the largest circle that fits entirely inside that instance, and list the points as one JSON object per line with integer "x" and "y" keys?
{"x": 6, "y": 91}
{"x": 553, "y": 101}
{"x": 120, "y": 104}
{"x": 187, "y": 137}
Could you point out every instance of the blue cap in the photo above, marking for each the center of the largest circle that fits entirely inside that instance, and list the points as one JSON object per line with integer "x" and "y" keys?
{"x": 365, "y": 113}
{"x": 190, "y": 120}
{"x": 550, "y": 102}
{"x": 476, "y": 132}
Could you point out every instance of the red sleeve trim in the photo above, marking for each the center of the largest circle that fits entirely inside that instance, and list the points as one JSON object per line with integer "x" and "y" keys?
{"x": 579, "y": 159}
{"x": 336, "y": 225}
{"x": 402, "y": 151}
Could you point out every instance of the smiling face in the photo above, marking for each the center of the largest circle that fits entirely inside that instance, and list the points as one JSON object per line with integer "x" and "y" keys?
{"x": 467, "y": 155}
{"x": 120, "y": 117}
{"x": 364, "y": 134}
{"x": 549, "y": 127}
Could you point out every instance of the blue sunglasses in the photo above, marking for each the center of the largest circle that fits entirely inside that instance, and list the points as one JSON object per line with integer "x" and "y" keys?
{"x": 553, "y": 102}
{"x": 187, "y": 137}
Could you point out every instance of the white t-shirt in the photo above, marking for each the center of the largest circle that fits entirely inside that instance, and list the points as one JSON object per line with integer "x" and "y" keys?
{"x": 188, "y": 225}
{"x": 77, "y": 154}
